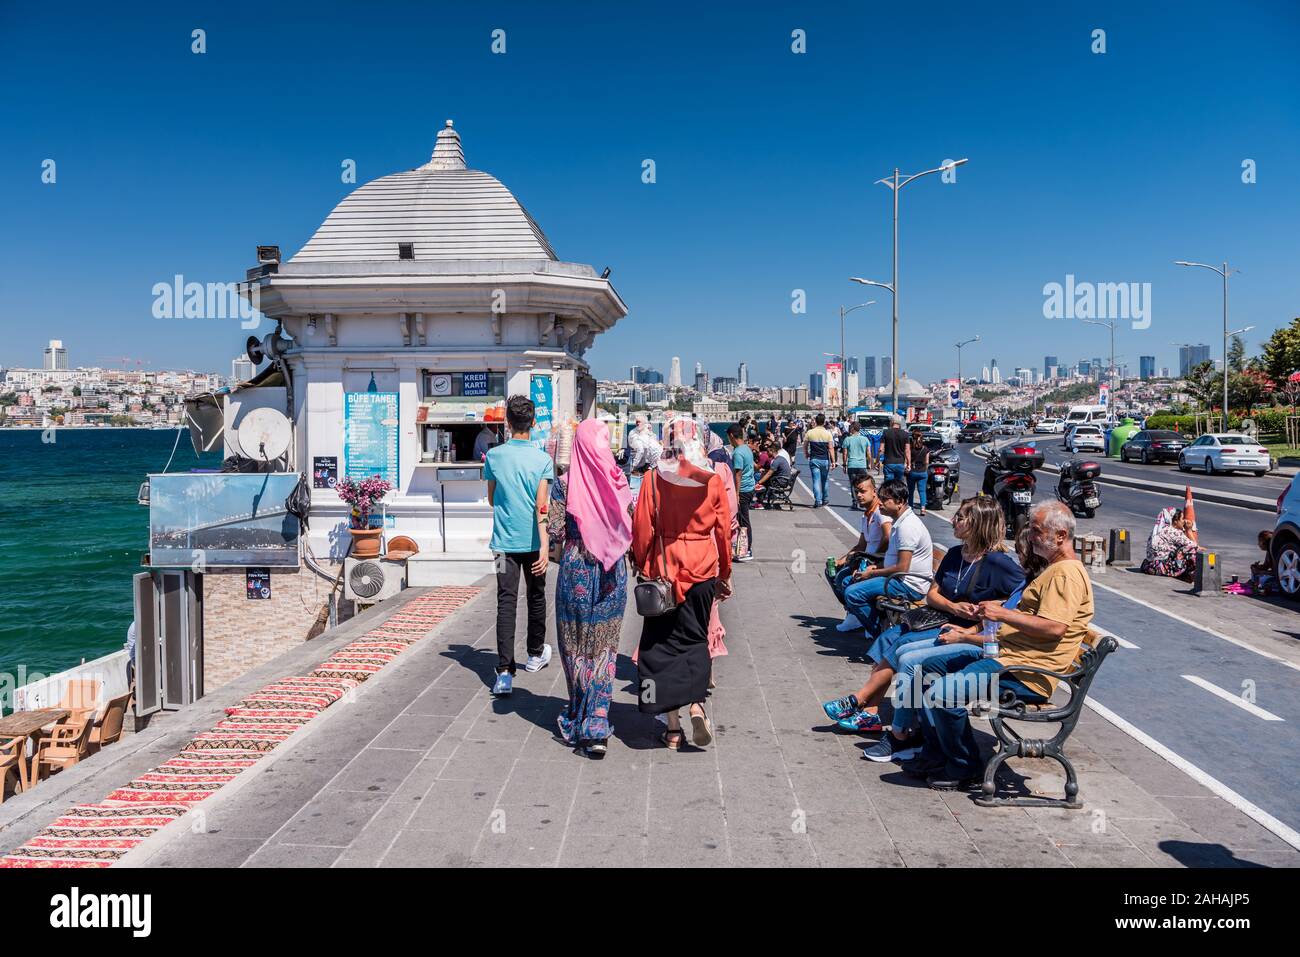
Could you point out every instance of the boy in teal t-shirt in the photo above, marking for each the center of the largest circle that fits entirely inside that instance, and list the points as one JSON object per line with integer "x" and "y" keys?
{"x": 742, "y": 463}
{"x": 519, "y": 474}
{"x": 857, "y": 456}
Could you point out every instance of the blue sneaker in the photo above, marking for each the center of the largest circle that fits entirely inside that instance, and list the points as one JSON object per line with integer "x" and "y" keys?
{"x": 504, "y": 684}
{"x": 840, "y": 707}
{"x": 861, "y": 721}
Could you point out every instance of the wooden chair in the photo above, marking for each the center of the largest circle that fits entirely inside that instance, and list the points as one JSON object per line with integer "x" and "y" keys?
{"x": 12, "y": 754}
{"x": 108, "y": 729}
{"x": 67, "y": 744}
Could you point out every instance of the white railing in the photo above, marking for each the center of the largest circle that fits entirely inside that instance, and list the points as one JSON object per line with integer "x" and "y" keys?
{"x": 109, "y": 671}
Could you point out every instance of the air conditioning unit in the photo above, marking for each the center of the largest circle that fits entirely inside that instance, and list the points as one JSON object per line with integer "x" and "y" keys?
{"x": 371, "y": 580}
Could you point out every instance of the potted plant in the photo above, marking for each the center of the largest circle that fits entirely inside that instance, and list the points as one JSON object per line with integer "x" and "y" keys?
{"x": 363, "y": 496}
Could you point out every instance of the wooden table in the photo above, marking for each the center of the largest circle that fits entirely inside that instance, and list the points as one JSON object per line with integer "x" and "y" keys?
{"x": 28, "y": 724}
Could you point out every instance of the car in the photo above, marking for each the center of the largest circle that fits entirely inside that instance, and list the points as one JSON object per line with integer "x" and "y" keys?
{"x": 1224, "y": 452}
{"x": 1285, "y": 546}
{"x": 976, "y": 430}
{"x": 1049, "y": 427}
{"x": 948, "y": 428}
{"x": 1007, "y": 427}
{"x": 1153, "y": 445}
{"x": 1085, "y": 437}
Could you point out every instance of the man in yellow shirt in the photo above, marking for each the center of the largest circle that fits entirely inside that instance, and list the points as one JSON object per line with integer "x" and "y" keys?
{"x": 1044, "y": 630}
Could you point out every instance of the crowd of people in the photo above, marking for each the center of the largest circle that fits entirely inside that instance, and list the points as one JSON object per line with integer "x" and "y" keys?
{"x": 678, "y": 516}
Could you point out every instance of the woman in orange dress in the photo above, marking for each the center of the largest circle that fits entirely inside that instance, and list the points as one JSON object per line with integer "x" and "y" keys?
{"x": 683, "y": 502}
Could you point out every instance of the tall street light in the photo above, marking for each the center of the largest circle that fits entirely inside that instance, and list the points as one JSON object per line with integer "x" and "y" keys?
{"x": 964, "y": 342}
{"x": 844, "y": 362}
{"x": 896, "y": 184}
{"x": 1110, "y": 372}
{"x": 1225, "y": 272}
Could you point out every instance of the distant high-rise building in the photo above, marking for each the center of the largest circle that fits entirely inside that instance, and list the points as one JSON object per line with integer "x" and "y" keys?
{"x": 675, "y": 373}
{"x": 815, "y": 386}
{"x": 984, "y": 374}
{"x": 56, "y": 357}
{"x": 646, "y": 376}
{"x": 699, "y": 367}
{"x": 887, "y": 371}
{"x": 702, "y": 382}
{"x": 851, "y": 389}
{"x": 1190, "y": 356}
{"x": 1085, "y": 368}
{"x": 1049, "y": 364}
{"x": 742, "y": 375}
{"x": 869, "y": 372}
{"x": 995, "y": 374}
{"x": 634, "y": 374}
{"x": 850, "y": 366}
{"x": 1146, "y": 367}
{"x": 241, "y": 369}
{"x": 725, "y": 385}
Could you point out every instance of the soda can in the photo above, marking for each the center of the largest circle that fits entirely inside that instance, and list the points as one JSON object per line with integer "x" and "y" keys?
{"x": 830, "y": 567}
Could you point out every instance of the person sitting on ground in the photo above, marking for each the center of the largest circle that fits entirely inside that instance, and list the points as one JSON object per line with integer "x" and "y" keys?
{"x": 1265, "y": 543}
{"x": 873, "y": 540}
{"x": 909, "y": 557}
{"x": 1043, "y": 631}
{"x": 980, "y": 570}
{"x": 1171, "y": 547}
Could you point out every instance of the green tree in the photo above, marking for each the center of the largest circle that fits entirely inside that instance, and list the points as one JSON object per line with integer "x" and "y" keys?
{"x": 1281, "y": 355}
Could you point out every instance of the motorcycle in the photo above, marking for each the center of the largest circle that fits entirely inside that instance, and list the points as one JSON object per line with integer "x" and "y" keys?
{"x": 1009, "y": 478}
{"x": 941, "y": 484}
{"x": 1077, "y": 486}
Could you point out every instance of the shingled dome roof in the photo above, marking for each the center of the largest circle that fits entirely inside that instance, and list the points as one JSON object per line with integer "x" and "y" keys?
{"x": 445, "y": 211}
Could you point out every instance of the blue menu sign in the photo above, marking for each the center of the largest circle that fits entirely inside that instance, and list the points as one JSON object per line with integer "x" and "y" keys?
{"x": 541, "y": 391}
{"x": 474, "y": 383}
{"x": 370, "y": 435}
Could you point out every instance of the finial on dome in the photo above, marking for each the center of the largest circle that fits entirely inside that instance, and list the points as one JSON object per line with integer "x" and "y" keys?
{"x": 447, "y": 151}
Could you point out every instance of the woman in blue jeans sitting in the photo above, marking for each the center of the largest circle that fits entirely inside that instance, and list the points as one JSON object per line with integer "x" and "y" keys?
{"x": 981, "y": 570}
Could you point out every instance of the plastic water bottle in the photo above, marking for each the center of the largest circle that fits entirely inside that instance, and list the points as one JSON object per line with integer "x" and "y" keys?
{"x": 990, "y": 630}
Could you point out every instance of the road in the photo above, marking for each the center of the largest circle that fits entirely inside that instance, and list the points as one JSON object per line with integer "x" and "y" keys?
{"x": 1227, "y": 714}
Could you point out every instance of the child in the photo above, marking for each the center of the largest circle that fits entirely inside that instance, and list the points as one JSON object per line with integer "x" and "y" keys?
{"x": 519, "y": 474}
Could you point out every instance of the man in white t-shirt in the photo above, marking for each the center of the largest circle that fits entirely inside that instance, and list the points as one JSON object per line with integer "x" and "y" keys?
{"x": 873, "y": 539}
{"x": 910, "y": 555}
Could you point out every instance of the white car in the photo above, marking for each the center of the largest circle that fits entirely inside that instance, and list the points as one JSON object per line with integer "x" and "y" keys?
{"x": 1049, "y": 427}
{"x": 948, "y": 428}
{"x": 1224, "y": 452}
{"x": 1086, "y": 438}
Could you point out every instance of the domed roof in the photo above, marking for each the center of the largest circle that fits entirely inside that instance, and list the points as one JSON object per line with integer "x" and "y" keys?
{"x": 906, "y": 387}
{"x": 444, "y": 210}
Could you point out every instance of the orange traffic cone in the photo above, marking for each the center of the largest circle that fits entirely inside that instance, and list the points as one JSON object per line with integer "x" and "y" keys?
{"x": 1189, "y": 510}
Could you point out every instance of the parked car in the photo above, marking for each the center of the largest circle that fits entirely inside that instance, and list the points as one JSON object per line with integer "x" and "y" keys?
{"x": 1224, "y": 452}
{"x": 1049, "y": 427}
{"x": 1153, "y": 445}
{"x": 1008, "y": 427}
{"x": 1086, "y": 438}
{"x": 1285, "y": 547}
{"x": 976, "y": 430}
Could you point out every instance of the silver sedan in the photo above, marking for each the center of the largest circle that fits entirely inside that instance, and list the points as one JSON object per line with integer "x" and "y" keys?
{"x": 1224, "y": 452}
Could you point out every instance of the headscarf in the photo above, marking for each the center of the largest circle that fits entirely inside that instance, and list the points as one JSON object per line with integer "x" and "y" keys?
{"x": 684, "y": 461}
{"x": 598, "y": 495}
{"x": 1166, "y": 539}
{"x": 717, "y": 453}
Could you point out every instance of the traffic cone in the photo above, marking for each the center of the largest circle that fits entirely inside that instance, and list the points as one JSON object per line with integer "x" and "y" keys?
{"x": 1189, "y": 509}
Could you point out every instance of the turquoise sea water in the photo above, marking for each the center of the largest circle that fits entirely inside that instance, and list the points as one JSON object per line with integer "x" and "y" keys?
{"x": 71, "y": 538}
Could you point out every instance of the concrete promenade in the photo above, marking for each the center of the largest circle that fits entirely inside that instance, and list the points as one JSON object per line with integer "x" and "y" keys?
{"x": 424, "y": 768}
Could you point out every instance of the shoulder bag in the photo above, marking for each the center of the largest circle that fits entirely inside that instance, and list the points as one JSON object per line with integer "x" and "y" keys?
{"x": 656, "y": 596}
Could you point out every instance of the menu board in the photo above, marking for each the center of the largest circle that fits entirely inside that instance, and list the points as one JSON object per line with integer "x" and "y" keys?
{"x": 541, "y": 391}
{"x": 370, "y": 435}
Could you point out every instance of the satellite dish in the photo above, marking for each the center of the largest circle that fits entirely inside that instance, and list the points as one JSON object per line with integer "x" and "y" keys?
{"x": 254, "y": 349}
{"x": 263, "y": 435}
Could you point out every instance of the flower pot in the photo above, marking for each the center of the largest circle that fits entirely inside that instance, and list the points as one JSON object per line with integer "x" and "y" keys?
{"x": 365, "y": 542}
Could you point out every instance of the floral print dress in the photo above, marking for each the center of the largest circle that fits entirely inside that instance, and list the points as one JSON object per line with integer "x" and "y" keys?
{"x": 589, "y": 605}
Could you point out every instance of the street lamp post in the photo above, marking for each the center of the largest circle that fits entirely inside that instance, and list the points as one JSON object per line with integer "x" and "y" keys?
{"x": 1110, "y": 372}
{"x": 844, "y": 362}
{"x": 1225, "y": 272}
{"x": 964, "y": 342}
{"x": 895, "y": 184}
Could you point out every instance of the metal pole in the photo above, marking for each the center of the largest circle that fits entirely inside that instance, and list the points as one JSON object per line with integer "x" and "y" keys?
{"x": 894, "y": 370}
{"x": 1225, "y": 347}
{"x": 844, "y": 368}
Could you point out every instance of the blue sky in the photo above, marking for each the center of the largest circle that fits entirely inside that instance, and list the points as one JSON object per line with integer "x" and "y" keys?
{"x": 1107, "y": 167}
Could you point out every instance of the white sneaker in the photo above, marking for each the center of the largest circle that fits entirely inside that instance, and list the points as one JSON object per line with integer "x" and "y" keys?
{"x": 538, "y": 662}
{"x": 850, "y": 623}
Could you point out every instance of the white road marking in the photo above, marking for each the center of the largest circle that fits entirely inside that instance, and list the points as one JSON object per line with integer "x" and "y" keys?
{"x": 838, "y": 517}
{"x": 1187, "y": 621}
{"x": 1253, "y": 811}
{"x": 1123, "y": 642}
{"x": 1231, "y": 698}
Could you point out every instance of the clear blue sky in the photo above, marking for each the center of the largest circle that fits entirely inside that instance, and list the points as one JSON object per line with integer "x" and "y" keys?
{"x": 1105, "y": 166}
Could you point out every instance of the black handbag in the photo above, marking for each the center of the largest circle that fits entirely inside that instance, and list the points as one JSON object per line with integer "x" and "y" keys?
{"x": 655, "y": 596}
{"x": 927, "y": 618}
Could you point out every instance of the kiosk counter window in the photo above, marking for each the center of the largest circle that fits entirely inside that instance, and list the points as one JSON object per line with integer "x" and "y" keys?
{"x": 454, "y": 410}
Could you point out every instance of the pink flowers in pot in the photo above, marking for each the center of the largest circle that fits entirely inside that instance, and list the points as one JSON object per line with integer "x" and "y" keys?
{"x": 362, "y": 496}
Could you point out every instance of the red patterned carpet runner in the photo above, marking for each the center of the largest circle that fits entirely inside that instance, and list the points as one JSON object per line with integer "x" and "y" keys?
{"x": 96, "y": 835}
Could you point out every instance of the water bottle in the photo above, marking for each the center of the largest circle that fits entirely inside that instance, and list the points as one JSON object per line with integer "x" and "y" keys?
{"x": 990, "y": 630}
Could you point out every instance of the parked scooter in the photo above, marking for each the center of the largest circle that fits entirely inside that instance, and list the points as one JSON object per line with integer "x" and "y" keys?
{"x": 1077, "y": 486}
{"x": 1009, "y": 478}
{"x": 941, "y": 483}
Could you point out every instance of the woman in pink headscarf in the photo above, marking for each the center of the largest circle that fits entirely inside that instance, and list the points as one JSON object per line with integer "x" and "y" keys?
{"x": 590, "y": 526}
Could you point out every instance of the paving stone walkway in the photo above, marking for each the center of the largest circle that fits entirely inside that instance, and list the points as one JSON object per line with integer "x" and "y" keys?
{"x": 424, "y": 768}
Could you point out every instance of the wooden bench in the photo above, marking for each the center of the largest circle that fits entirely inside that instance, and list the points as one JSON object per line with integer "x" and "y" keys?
{"x": 1065, "y": 715}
